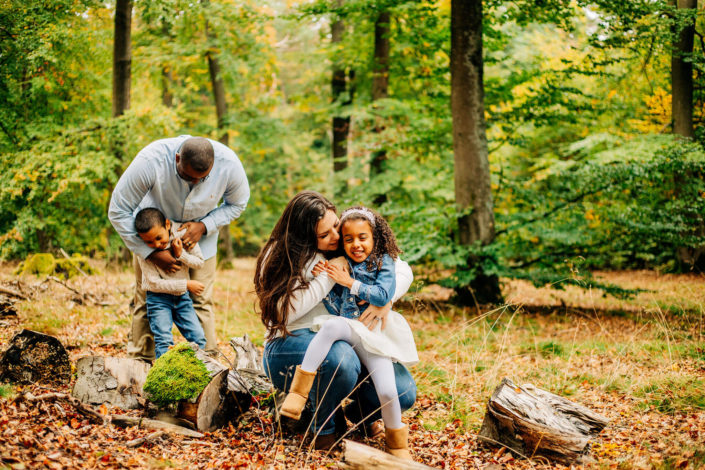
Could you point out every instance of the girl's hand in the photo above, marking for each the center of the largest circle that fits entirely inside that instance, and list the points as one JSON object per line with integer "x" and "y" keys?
{"x": 373, "y": 315}
{"x": 339, "y": 274}
{"x": 176, "y": 247}
{"x": 195, "y": 287}
{"x": 319, "y": 268}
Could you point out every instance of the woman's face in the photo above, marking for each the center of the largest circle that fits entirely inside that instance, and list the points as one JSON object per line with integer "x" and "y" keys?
{"x": 327, "y": 235}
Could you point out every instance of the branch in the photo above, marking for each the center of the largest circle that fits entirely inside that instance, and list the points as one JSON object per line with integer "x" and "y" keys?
{"x": 138, "y": 442}
{"x": 12, "y": 292}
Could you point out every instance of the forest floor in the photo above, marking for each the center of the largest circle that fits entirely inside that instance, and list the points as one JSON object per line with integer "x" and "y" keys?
{"x": 639, "y": 362}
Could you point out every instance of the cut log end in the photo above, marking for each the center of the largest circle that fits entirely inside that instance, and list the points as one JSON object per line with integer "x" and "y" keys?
{"x": 34, "y": 357}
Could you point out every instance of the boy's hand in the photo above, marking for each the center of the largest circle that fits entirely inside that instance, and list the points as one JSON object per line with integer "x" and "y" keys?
{"x": 195, "y": 287}
{"x": 339, "y": 274}
{"x": 164, "y": 260}
{"x": 177, "y": 247}
{"x": 194, "y": 232}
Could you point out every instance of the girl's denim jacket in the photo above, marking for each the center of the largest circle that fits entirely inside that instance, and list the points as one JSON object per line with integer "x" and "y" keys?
{"x": 375, "y": 287}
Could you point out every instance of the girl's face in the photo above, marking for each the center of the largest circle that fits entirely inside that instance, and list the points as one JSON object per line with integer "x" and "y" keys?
{"x": 357, "y": 239}
{"x": 327, "y": 235}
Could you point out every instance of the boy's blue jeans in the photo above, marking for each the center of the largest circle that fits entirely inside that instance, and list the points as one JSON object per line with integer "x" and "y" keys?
{"x": 164, "y": 310}
{"x": 339, "y": 374}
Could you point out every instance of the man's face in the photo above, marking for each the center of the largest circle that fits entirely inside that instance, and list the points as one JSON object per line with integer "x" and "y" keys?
{"x": 188, "y": 174}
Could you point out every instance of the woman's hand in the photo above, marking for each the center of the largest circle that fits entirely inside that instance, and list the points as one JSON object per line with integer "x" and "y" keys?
{"x": 373, "y": 315}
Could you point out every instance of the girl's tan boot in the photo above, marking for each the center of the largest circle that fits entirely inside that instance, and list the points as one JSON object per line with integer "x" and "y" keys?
{"x": 298, "y": 393}
{"x": 398, "y": 442}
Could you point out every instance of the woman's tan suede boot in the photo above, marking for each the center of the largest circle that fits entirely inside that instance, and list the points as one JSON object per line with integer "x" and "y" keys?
{"x": 398, "y": 442}
{"x": 298, "y": 393}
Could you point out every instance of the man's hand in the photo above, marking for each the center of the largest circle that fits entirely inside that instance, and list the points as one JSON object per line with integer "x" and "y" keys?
{"x": 177, "y": 247}
{"x": 164, "y": 260}
{"x": 373, "y": 315}
{"x": 194, "y": 232}
{"x": 195, "y": 287}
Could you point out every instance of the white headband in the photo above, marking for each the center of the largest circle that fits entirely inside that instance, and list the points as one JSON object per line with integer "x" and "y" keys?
{"x": 366, "y": 213}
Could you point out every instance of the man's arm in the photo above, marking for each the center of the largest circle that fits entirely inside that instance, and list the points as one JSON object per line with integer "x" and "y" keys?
{"x": 235, "y": 197}
{"x": 133, "y": 185}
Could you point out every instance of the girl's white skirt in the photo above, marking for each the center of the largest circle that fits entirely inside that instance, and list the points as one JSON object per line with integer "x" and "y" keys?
{"x": 395, "y": 342}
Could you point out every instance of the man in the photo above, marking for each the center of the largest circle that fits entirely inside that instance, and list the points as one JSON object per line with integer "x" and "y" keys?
{"x": 185, "y": 177}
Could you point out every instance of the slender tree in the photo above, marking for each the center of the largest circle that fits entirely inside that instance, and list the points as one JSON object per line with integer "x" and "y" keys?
{"x": 221, "y": 109}
{"x": 682, "y": 67}
{"x": 122, "y": 57}
{"x": 473, "y": 193}
{"x": 380, "y": 82}
{"x": 339, "y": 85}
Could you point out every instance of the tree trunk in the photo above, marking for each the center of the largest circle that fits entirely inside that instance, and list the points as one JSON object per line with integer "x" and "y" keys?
{"x": 122, "y": 57}
{"x": 221, "y": 109}
{"x": 380, "y": 87}
{"x": 114, "y": 380}
{"x": 472, "y": 173}
{"x": 339, "y": 85}
{"x": 682, "y": 70}
{"x": 33, "y": 357}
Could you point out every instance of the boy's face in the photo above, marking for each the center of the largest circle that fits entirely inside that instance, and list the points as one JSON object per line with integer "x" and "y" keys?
{"x": 157, "y": 237}
{"x": 357, "y": 239}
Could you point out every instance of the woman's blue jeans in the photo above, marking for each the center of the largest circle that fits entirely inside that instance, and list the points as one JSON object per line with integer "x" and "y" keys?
{"x": 165, "y": 310}
{"x": 337, "y": 379}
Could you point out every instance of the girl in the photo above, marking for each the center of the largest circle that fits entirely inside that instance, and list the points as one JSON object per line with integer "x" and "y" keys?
{"x": 370, "y": 247}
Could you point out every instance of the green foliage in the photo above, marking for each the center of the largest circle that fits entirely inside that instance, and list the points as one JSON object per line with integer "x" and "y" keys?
{"x": 44, "y": 264}
{"x": 7, "y": 391}
{"x": 175, "y": 376}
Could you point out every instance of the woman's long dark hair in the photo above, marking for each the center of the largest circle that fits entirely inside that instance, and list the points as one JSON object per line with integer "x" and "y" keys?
{"x": 281, "y": 262}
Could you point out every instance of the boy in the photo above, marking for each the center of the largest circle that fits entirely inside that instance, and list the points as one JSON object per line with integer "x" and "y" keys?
{"x": 168, "y": 300}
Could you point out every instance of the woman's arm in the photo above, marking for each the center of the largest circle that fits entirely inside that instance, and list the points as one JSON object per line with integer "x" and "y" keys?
{"x": 303, "y": 300}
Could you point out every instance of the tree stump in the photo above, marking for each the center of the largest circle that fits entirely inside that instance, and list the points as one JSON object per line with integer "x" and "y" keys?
{"x": 531, "y": 422}
{"x": 220, "y": 402}
{"x": 35, "y": 358}
{"x": 248, "y": 374}
{"x": 114, "y": 380}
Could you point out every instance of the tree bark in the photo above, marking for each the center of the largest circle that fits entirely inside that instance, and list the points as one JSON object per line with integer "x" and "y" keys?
{"x": 114, "y": 380}
{"x": 122, "y": 57}
{"x": 682, "y": 71}
{"x": 380, "y": 87}
{"x": 531, "y": 421}
{"x": 472, "y": 173}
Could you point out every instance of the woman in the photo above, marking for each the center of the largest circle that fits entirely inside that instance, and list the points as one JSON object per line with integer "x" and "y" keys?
{"x": 290, "y": 297}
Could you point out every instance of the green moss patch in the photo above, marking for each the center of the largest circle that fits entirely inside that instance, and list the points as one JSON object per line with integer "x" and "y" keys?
{"x": 44, "y": 264}
{"x": 177, "y": 375}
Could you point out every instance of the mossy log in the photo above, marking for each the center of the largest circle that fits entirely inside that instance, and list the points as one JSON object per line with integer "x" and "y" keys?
{"x": 531, "y": 422}
{"x": 114, "y": 380}
{"x": 34, "y": 357}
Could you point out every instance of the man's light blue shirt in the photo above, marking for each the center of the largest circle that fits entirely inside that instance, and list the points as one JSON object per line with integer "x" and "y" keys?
{"x": 151, "y": 180}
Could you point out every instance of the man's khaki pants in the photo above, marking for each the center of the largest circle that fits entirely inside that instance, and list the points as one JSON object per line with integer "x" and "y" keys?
{"x": 140, "y": 340}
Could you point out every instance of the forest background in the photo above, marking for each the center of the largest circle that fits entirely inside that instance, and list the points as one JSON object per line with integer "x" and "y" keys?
{"x": 586, "y": 168}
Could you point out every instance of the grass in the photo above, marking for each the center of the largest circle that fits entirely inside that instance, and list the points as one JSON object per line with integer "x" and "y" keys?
{"x": 641, "y": 368}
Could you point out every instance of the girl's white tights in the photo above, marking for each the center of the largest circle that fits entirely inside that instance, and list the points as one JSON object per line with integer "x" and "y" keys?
{"x": 380, "y": 368}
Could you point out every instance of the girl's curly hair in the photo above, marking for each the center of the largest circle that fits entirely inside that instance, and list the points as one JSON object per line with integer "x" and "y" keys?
{"x": 384, "y": 240}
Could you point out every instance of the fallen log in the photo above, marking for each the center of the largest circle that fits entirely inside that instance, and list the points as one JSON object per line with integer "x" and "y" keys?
{"x": 13, "y": 293}
{"x": 34, "y": 357}
{"x": 531, "y": 422}
{"x": 248, "y": 374}
{"x": 358, "y": 456}
{"x": 126, "y": 421}
{"x": 114, "y": 380}
{"x": 7, "y": 307}
{"x": 141, "y": 440}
